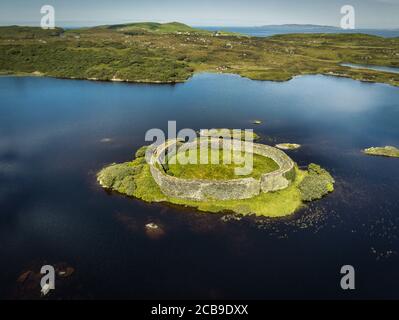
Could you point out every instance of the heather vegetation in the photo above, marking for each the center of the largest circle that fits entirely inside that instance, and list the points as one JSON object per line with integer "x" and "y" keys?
{"x": 317, "y": 183}
{"x": 153, "y": 52}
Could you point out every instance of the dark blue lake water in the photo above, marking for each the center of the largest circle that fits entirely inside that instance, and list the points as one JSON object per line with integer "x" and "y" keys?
{"x": 52, "y": 210}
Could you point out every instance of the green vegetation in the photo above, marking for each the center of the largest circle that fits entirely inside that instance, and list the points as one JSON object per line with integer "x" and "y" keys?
{"x": 387, "y": 151}
{"x": 153, "y": 52}
{"x": 316, "y": 184}
{"x": 134, "y": 179}
{"x": 218, "y": 171}
{"x": 154, "y": 27}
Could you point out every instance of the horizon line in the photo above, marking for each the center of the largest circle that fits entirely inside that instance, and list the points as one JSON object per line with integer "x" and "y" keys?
{"x": 93, "y": 23}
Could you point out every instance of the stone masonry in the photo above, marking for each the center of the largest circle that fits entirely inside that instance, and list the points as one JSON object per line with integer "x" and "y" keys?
{"x": 234, "y": 189}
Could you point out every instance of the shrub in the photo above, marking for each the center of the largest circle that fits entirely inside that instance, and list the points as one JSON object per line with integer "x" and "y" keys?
{"x": 316, "y": 184}
{"x": 141, "y": 152}
{"x": 120, "y": 177}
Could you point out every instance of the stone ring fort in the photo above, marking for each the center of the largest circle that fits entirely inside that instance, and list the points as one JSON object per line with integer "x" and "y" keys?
{"x": 233, "y": 189}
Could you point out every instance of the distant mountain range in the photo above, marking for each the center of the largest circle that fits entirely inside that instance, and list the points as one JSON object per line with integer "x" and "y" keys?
{"x": 309, "y": 26}
{"x": 315, "y": 26}
{"x": 270, "y": 30}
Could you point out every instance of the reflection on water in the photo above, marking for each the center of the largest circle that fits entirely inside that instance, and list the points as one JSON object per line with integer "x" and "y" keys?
{"x": 56, "y": 134}
{"x": 370, "y": 67}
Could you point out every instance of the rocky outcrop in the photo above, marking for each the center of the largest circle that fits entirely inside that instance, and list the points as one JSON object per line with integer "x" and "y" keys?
{"x": 288, "y": 146}
{"x": 387, "y": 151}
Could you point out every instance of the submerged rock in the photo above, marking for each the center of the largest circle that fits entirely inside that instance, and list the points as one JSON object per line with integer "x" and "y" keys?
{"x": 128, "y": 221}
{"x": 24, "y": 276}
{"x": 231, "y": 217}
{"x": 28, "y": 283}
{"x": 153, "y": 230}
{"x": 65, "y": 271}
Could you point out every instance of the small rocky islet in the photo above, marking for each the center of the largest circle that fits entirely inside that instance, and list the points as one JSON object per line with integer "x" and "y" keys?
{"x": 288, "y": 146}
{"x": 387, "y": 151}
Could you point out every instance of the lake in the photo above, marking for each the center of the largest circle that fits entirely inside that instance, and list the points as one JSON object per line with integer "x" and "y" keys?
{"x": 371, "y": 67}
{"x": 268, "y": 31}
{"x": 56, "y": 134}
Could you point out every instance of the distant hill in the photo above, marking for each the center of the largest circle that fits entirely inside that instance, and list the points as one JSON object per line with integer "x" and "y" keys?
{"x": 270, "y": 30}
{"x": 296, "y": 26}
{"x": 316, "y": 26}
{"x": 154, "y": 27}
{"x": 173, "y": 52}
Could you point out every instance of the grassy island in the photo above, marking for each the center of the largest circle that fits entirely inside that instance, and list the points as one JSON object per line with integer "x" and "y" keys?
{"x": 173, "y": 52}
{"x": 387, "y": 151}
{"x": 134, "y": 179}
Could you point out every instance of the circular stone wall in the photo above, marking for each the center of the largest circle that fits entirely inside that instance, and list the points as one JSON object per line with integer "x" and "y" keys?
{"x": 233, "y": 189}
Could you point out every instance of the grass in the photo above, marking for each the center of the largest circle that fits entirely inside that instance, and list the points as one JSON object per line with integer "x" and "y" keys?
{"x": 387, "y": 151}
{"x": 316, "y": 184}
{"x": 154, "y": 27}
{"x": 173, "y": 52}
{"x": 272, "y": 204}
{"x": 218, "y": 171}
{"x": 137, "y": 172}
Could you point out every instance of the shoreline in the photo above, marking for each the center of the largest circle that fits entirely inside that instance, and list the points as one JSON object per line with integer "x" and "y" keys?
{"x": 160, "y": 82}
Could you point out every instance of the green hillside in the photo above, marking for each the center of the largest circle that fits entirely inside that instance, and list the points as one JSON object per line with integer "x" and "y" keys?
{"x": 154, "y": 27}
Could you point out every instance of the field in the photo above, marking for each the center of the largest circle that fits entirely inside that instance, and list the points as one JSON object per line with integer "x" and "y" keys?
{"x": 170, "y": 53}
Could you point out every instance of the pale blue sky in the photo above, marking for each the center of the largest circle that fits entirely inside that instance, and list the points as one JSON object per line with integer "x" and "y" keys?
{"x": 369, "y": 13}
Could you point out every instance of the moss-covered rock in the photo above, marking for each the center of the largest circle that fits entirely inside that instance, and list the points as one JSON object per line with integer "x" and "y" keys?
{"x": 288, "y": 146}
